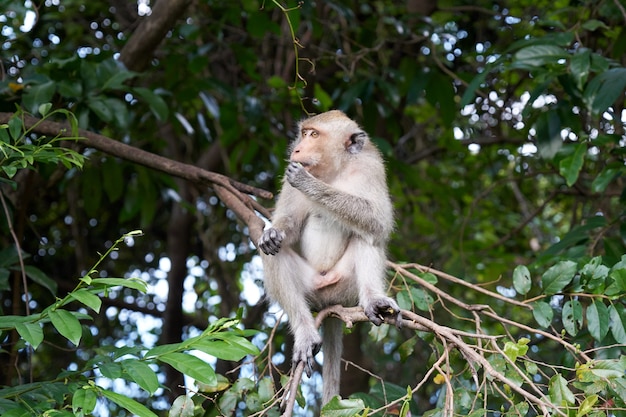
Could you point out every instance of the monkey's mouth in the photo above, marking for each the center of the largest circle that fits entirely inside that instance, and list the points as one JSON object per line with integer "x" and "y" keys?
{"x": 303, "y": 163}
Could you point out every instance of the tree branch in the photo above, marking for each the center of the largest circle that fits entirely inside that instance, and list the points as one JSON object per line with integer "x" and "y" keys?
{"x": 139, "y": 49}
{"x": 448, "y": 336}
{"x": 232, "y": 193}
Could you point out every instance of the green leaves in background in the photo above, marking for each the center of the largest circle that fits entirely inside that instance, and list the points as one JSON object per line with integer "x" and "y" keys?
{"x": 558, "y": 276}
{"x": 67, "y": 325}
{"x": 128, "y": 403}
{"x": 570, "y": 166}
{"x": 521, "y": 279}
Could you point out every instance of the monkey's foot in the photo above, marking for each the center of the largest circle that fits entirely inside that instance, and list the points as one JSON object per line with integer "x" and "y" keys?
{"x": 324, "y": 279}
{"x": 380, "y": 308}
{"x": 304, "y": 350}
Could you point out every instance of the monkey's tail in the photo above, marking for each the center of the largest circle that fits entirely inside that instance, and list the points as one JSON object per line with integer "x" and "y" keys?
{"x": 332, "y": 346}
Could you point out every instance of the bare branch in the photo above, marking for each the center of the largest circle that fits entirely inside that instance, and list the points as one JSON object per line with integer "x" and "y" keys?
{"x": 139, "y": 49}
{"x": 228, "y": 190}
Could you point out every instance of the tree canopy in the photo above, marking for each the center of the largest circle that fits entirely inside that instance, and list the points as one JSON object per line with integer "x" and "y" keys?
{"x": 140, "y": 147}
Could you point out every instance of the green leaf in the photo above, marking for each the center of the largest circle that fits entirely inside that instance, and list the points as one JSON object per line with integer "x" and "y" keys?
{"x": 31, "y": 332}
{"x": 407, "y": 348}
{"x": 539, "y": 55}
{"x": 617, "y": 322}
{"x": 342, "y": 408}
{"x": 440, "y": 94}
{"x": 41, "y": 278}
{"x": 4, "y": 134}
{"x": 570, "y": 167}
{"x": 113, "y": 179}
{"x": 559, "y": 392}
{"x": 111, "y": 370}
{"x": 558, "y": 276}
{"x": 191, "y": 366}
{"x": 515, "y": 350}
{"x": 324, "y": 101}
{"x": 587, "y": 405}
{"x": 572, "y": 316}
{"x": 605, "y": 89}
{"x": 618, "y": 276}
{"x": 88, "y": 299}
{"x": 67, "y": 325}
{"x": 9, "y": 322}
{"x": 141, "y": 373}
{"x": 579, "y": 66}
{"x": 521, "y": 279}
{"x": 542, "y": 312}
{"x": 604, "y": 178}
{"x": 577, "y": 235}
{"x": 128, "y": 403}
{"x": 221, "y": 349}
{"x": 157, "y": 351}
{"x": 101, "y": 109}
{"x": 598, "y": 320}
{"x": 183, "y": 406}
{"x": 470, "y": 91}
{"x": 44, "y": 108}
{"x": 548, "y": 127}
{"x": 266, "y": 389}
{"x": 593, "y": 24}
{"x": 134, "y": 283}
{"x": 157, "y": 105}
{"x": 116, "y": 82}
{"x": 38, "y": 94}
{"x": 84, "y": 400}
{"x": 17, "y": 412}
{"x": 609, "y": 369}
{"x": 15, "y": 127}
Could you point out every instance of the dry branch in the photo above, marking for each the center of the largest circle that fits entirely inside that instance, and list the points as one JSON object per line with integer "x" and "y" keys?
{"x": 232, "y": 193}
{"x": 449, "y": 337}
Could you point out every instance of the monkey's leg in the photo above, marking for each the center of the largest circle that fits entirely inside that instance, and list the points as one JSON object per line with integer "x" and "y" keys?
{"x": 288, "y": 280}
{"x": 370, "y": 276}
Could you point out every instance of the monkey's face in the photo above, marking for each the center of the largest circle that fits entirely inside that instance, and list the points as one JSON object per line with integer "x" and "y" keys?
{"x": 309, "y": 150}
{"x": 324, "y": 143}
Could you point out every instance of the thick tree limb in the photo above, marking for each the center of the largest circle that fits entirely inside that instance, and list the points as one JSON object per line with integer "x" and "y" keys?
{"x": 232, "y": 193}
{"x": 139, "y": 49}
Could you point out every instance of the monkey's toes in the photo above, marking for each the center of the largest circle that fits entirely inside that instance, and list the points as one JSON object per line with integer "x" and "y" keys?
{"x": 306, "y": 354}
{"x": 380, "y": 309}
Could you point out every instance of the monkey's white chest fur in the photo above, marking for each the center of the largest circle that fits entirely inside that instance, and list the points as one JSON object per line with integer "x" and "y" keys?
{"x": 323, "y": 241}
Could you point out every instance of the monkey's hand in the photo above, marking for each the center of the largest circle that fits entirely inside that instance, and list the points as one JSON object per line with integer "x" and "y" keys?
{"x": 305, "y": 347}
{"x": 297, "y": 176}
{"x": 380, "y": 308}
{"x": 271, "y": 241}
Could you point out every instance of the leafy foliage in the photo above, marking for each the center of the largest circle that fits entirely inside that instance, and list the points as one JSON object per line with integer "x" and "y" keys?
{"x": 503, "y": 128}
{"x": 81, "y": 387}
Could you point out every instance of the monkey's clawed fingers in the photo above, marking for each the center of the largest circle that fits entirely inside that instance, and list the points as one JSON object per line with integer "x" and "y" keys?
{"x": 271, "y": 241}
{"x": 379, "y": 309}
{"x": 306, "y": 355}
{"x": 296, "y": 174}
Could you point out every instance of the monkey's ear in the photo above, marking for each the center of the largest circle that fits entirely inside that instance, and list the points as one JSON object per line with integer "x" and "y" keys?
{"x": 355, "y": 142}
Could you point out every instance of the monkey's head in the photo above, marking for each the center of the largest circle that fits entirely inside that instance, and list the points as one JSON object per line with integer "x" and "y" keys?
{"x": 326, "y": 142}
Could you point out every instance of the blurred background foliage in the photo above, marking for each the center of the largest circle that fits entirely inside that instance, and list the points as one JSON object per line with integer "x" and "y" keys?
{"x": 502, "y": 124}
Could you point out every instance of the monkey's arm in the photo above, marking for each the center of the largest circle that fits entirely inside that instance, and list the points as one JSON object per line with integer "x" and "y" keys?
{"x": 368, "y": 214}
{"x": 287, "y": 222}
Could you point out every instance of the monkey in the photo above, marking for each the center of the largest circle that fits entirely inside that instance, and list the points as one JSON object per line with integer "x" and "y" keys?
{"x": 328, "y": 237}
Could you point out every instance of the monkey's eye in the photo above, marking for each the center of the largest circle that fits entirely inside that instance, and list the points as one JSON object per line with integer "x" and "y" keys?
{"x": 314, "y": 133}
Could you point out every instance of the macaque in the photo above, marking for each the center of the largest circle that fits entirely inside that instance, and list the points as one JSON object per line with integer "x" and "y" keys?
{"x": 328, "y": 237}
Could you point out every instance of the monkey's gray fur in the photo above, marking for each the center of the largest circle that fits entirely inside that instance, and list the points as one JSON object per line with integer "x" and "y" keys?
{"x": 328, "y": 237}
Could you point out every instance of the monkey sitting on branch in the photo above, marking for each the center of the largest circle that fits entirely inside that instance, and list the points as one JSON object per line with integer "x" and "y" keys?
{"x": 328, "y": 238}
